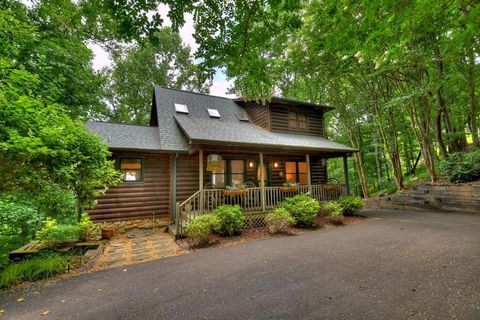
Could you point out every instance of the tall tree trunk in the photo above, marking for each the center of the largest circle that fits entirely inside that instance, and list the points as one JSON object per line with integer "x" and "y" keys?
{"x": 354, "y": 135}
{"x": 473, "y": 99}
{"x": 471, "y": 78}
{"x": 438, "y": 134}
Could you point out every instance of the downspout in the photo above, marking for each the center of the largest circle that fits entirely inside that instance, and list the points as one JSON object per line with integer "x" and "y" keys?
{"x": 174, "y": 187}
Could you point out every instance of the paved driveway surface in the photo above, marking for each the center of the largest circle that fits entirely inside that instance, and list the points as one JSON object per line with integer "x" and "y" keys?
{"x": 405, "y": 265}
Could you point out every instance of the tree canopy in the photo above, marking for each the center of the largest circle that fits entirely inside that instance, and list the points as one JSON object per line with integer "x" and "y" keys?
{"x": 137, "y": 68}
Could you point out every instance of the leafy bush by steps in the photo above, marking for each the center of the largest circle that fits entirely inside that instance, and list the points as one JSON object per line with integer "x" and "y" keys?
{"x": 279, "y": 220}
{"x": 200, "y": 228}
{"x": 231, "y": 219}
{"x": 461, "y": 167}
{"x": 303, "y": 209}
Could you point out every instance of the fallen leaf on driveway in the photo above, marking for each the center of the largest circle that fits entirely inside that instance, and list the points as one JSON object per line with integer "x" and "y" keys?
{"x": 20, "y": 299}
{"x": 44, "y": 313}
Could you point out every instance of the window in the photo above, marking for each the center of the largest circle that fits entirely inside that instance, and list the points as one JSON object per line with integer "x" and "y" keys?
{"x": 296, "y": 172}
{"x": 181, "y": 108}
{"x": 237, "y": 172}
{"x": 218, "y": 178}
{"x": 297, "y": 120}
{"x": 233, "y": 174}
{"x": 213, "y": 113}
{"x": 132, "y": 169}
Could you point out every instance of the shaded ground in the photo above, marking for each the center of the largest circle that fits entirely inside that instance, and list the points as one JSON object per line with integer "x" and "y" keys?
{"x": 403, "y": 266}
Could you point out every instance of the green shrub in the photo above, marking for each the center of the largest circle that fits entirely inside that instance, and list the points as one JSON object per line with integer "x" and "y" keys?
{"x": 350, "y": 205}
{"x": 89, "y": 230}
{"x": 336, "y": 217}
{"x": 53, "y": 234}
{"x": 303, "y": 209}
{"x": 330, "y": 209}
{"x": 231, "y": 219}
{"x": 41, "y": 267}
{"x": 279, "y": 220}
{"x": 461, "y": 167}
{"x": 200, "y": 228}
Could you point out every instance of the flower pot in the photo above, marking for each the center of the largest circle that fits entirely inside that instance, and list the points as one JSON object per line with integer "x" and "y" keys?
{"x": 235, "y": 192}
{"x": 108, "y": 233}
{"x": 288, "y": 189}
{"x": 331, "y": 187}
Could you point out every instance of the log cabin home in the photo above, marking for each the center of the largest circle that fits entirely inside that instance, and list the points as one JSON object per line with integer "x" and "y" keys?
{"x": 202, "y": 151}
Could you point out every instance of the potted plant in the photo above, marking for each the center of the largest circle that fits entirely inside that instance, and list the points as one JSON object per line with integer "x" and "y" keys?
{"x": 108, "y": 231}
{"x": 235, "y": 190}
{"x": 331, "y": 186}
{"x": 289, "y": 187}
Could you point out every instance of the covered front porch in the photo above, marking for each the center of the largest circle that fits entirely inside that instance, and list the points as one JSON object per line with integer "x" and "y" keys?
{"x": 258, "y": 182}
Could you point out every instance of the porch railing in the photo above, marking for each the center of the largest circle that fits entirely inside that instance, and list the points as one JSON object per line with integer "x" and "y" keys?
{"x": 250, "y": 200}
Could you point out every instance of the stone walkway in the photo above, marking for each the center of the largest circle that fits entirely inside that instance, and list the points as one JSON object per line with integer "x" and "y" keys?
{"x": 138, "y": 245}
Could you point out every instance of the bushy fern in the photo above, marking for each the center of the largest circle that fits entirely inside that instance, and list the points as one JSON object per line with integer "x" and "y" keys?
{"x": 461, "y": 167}
{"x": 41, "y": 267}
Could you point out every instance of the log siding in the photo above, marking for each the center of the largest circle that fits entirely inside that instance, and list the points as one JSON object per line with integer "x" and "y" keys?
{"x": 133, "y": 200}
{"x": 259, "y": 114}
{"x": 280, "y": 121}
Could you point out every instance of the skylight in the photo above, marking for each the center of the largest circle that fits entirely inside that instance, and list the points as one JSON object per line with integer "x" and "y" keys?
{"x": 242, "y": 116}
{"x": 213, "y": 113}
{"x": 181, "y": 108}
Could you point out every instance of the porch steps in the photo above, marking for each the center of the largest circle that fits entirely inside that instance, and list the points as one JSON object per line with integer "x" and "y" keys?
{"x": 172, "y": 231}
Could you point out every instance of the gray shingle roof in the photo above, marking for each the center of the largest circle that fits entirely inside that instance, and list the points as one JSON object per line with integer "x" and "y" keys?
{"x": 201, "y": 130}
{"x": 122, "y": 136}
{"x": 175, "y": 130}
{"x": 171, "y": 136}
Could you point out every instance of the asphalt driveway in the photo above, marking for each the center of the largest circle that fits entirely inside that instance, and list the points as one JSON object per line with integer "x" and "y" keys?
{"x": 405, "y": 265}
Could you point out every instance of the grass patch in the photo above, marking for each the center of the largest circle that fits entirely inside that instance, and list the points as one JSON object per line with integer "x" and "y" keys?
{"x": 39, "y": 267}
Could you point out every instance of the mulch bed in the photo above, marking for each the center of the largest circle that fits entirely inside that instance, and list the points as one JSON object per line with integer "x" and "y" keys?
{"x": 262, "y": 233}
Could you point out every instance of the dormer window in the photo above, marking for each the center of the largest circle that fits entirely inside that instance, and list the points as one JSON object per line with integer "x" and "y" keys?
{"x": 213, "y": 113}
{"x": 297, "y": 120}
{"x": 181, "y": 108}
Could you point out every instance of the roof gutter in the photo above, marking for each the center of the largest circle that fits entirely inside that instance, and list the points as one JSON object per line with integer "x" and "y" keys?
{"x": 272, "y": 146}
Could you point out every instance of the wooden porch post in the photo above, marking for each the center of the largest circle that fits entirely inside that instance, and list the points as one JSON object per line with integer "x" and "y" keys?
{"x": 309, "y": 176}
{"x": 200, "y": 180}
{"x": 345, "y": 171}
{"x": 262, "y": 181}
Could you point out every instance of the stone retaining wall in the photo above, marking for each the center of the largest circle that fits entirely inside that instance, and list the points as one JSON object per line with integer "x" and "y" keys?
{"x": 462, "y": 198}
{"x": 139, "y": 223}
